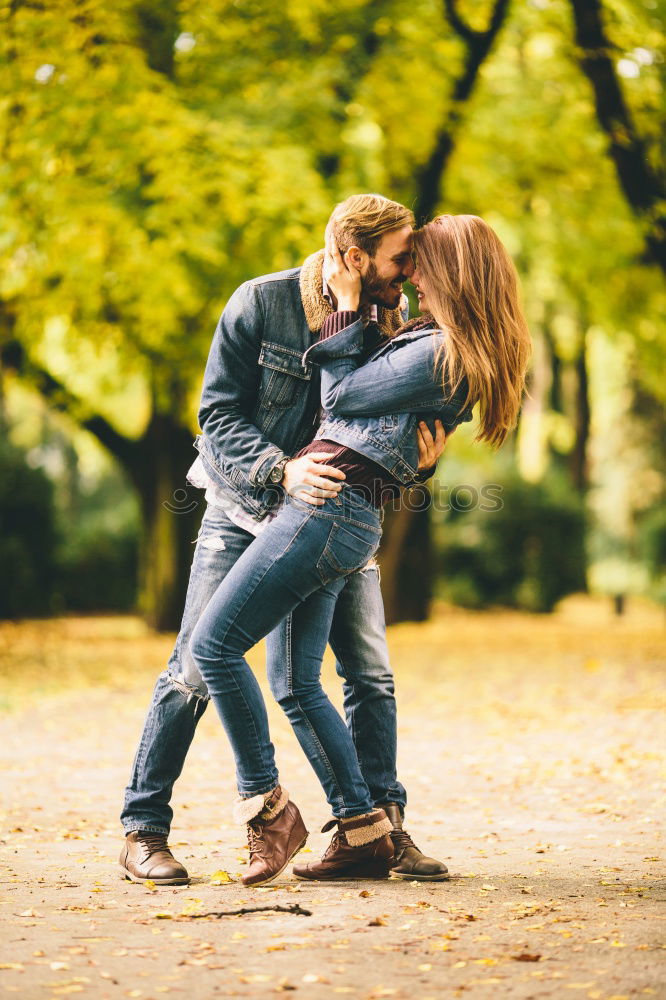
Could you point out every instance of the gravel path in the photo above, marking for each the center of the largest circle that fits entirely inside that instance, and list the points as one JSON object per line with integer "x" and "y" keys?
{"x": 533, "y": 751}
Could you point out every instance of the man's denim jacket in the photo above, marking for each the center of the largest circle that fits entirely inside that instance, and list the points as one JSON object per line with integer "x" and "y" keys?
{"x": 374, "y": 407}
{"x": 259, "y": 403}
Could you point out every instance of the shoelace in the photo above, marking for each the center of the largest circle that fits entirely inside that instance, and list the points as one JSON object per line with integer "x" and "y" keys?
{"x": 254, "y": 840}
{"x": 401, "y": 841}
{"x": 336, "y": 840}
{"x": 152, "y": 842}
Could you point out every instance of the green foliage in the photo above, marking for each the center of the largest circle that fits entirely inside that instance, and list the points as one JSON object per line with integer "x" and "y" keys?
{"x": 99, "y": 573}
{"x": 529, "y": 553}
{"x": 652, "y": 539}
{"x": 155, "y": 155}
{"x": 63, "y": 552}
{"x": 27, "y": 537}
{"x": 98, "y": 551}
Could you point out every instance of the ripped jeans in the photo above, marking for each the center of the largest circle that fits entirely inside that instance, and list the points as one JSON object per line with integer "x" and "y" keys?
{"x": 358, "y": 640}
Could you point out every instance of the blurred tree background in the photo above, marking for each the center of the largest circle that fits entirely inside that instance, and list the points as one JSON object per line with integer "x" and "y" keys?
{"x": 156, "y": 154}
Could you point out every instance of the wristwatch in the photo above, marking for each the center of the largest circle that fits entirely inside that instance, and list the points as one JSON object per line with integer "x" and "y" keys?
{"x": 276, "y": 474}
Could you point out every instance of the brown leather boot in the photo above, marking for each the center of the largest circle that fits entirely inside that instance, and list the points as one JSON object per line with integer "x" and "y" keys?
{"x": 361, "y": 848}
{"x": 410, "y": 862}
{"x": 275, "y": 834}
{"x": 146, "y": 855}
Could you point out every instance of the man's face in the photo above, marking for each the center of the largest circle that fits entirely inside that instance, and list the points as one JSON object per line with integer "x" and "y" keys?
{"x": 384, "y": 274}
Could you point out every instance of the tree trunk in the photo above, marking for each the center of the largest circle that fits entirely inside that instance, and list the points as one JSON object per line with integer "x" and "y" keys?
{"x": 406, "y": 556}
{"x": 156, "y": 465}
{"x": 406, "y": 559}
{"x": 579, "y": 462}
{"x": 170, "y": 517}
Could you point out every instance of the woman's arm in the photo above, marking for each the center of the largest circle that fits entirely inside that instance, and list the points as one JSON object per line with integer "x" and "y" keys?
{"x": 405, "y": 379}
{"x": 399, "y": 381}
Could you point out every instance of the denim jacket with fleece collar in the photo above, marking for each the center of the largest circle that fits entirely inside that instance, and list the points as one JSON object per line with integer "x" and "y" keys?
{"x": 259, "y": 403}
{"x": 374, "y": 407}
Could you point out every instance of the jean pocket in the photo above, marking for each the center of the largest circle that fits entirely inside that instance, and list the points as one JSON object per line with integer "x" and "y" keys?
{"x": 345, "y": 552}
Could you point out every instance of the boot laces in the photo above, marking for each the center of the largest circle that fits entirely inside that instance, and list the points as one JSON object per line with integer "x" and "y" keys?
{"x": 337, "y": 839}
{"x": 152, "y": 842}
{"x": 401, "y": 842}
{"x": 255, "y": 840}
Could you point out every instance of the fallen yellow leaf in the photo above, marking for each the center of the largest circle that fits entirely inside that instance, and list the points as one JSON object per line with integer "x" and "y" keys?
{"x": 220, "y": 878}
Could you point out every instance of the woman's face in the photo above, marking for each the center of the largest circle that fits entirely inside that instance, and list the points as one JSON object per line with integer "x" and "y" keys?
{"x": 421, "y": 287}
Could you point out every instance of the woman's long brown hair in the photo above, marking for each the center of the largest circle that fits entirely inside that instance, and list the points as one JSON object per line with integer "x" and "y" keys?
{"x": 472, "y": 291}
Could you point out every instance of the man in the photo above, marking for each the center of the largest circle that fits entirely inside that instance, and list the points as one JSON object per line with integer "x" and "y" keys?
{"x": 259, "y": 405}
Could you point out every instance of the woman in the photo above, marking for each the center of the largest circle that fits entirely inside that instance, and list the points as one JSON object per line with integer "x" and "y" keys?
{"x": 470, "y": 346}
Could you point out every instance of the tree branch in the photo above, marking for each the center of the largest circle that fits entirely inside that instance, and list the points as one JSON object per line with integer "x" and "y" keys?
{"x": 643, "y": 186}
{"x": 478, "y": 45}
{"x": 157, "y": 30}
{"x": 459, "y": 26}
{"x": 294, "y": 908}
{"x": 14, "y": 358}
{"x": 353, "y": 70}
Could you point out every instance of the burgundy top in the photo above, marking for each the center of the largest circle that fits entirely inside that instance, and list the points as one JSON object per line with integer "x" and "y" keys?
{"x": 364, "y": 476}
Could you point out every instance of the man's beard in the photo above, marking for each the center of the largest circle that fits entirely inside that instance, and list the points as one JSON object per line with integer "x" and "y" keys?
{"x": 380, "y": 291}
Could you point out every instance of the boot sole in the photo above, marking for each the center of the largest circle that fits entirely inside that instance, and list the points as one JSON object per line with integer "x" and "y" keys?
{"x": 361, "y": 876}
{"x": 420, "y": 878}
{"x": 125, "y": 874}
{"x": 265, "y": 881}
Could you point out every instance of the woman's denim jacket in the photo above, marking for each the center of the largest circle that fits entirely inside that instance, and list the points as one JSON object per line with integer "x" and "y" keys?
{"x": 374, "y": 407}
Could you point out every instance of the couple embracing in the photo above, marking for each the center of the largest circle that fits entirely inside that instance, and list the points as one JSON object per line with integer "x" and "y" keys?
{"x": 320, "y": 403}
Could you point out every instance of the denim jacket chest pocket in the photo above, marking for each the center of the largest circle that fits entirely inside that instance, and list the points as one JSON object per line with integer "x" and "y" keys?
{"x": 282, "y": 375}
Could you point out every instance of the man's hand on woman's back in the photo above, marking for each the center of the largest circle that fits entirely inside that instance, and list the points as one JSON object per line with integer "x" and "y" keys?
{"x": 309, "y": 478}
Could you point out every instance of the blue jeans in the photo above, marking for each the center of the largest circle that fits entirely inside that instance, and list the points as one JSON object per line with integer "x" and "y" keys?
{"x": 305, "y": 554}
{"x": 180, "y": 697}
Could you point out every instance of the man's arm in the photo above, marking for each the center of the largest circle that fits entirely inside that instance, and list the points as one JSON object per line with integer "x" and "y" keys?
{"x": 231, "y": 387}
{"x": 229, "y": 398}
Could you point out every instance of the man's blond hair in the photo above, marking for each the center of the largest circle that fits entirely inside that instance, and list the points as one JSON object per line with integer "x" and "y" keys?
{"x": 363, "y": 219}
